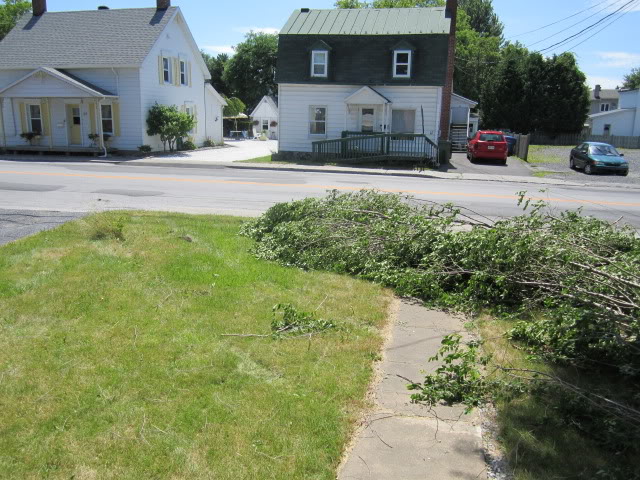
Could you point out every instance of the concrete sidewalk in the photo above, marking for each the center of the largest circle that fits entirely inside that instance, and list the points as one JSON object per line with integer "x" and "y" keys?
{"x": 400, "y": 440}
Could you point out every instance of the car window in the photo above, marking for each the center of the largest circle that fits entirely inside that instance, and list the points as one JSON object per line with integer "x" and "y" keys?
{"x": 491, "y": 137}
{"x": 583, "y": 148}
{"x": 603, "y": 150}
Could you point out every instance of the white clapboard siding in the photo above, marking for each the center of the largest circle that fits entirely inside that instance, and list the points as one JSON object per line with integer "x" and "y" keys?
{"x": 294, "y": 104}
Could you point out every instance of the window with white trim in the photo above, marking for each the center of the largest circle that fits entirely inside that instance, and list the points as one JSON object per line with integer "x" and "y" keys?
{"x": 107, "y": 119}
{"x": 189, "y": 110}
{"x": 35, "y": 118}
{"x": 265, "y": 125}
{"x": 319, "y": 63}
{"x": 402, "y": 63}
{"x": 604, "y": 107}
{"x": 317, "y": 120}
{"x": 183, "y": 72}
{"x": 166, "y": 69}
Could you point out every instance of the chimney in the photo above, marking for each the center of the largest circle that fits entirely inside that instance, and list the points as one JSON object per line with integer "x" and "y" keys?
{"x": 164, "y": 4}
{"x": 451, "y": 11}
{"x": 596, "y": 91}
{"x": 39, "y": 7}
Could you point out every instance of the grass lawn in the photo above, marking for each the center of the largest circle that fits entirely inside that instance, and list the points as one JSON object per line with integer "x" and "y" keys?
{"x": 538, "y": 445}
{"x": 545, "y": 154}
{"x": 546, "y": 173}
{"x": 112, "y": 363}
{"x": 265, "y": 159}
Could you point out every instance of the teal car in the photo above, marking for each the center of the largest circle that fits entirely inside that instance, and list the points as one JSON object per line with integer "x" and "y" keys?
{"x": 594, "y": 157}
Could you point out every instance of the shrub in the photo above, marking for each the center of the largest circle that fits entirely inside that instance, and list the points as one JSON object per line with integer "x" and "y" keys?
{"x": 106, "y": 226}
{"x": 188, "y": 145}
{"x": 169, "y": 123}
{"x": 145, "y": 148}
{"x": 208, "y": 143}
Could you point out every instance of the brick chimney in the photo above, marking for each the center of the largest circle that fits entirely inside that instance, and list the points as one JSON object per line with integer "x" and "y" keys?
{"x": 451, "y": 11}
{"x": 596, "y": 91}
{"x": 39, "y": 7}
{"x": 163, "y": 4}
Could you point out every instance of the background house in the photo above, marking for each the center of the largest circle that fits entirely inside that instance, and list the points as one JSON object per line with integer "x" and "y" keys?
{"x": 365, "y": 71}
{"x": 603, "y": 100}
{"x": 266, "y": 114}
{"x": 623, "y": 121}
{"x": 67, "y": 75}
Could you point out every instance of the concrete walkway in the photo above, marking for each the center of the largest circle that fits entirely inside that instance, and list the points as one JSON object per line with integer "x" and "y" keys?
{"x": 404, "y": 441}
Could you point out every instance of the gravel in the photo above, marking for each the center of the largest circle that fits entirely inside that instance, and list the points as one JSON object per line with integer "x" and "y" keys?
{"x": 562, "y": 171}
{"x": 15, "y": 224}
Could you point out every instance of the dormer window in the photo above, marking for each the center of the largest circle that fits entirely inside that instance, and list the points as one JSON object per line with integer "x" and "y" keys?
{"x": 402, "y": 63}
{"x": 319, "y": 63}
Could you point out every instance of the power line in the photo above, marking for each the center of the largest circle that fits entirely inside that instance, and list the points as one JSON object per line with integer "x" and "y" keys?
{"x": 587, "y": 28}
{"x": 566, "y": 18}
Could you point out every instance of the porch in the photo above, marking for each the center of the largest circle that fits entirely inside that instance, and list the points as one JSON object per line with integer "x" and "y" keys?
{"x": 50, "y": 110}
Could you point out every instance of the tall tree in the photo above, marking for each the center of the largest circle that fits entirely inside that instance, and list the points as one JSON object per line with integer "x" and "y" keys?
{"x": 632, "y": 79}
{"x": 250, "y": 73}
{"x": 482, "y": 17}
{"x": 10, "y": 12}
{"x": 216, "y": 66}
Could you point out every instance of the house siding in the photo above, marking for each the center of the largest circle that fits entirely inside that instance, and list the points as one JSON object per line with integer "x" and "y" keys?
{"x": 265, "y": 111}
{"x": 363, "y": 59}
{"x": 621, "y": 123}
{"x": 295, "y": 100}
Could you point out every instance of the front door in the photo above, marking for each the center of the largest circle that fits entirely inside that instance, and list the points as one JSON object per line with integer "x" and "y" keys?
{"x": 368, "y": 120}
{"x": 74, "y": 121}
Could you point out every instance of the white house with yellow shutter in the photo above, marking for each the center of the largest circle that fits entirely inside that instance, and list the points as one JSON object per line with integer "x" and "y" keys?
{"x": 72, "y": 79}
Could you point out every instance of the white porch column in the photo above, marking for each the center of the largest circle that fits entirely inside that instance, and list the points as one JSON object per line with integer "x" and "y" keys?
{"x": 4, "y": 131}
{"x": 49, "y": 118}
{"x": 99, "y": 122}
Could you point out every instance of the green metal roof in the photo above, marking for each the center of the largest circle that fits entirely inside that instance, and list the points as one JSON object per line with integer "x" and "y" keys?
{"x": 368, "y": 21}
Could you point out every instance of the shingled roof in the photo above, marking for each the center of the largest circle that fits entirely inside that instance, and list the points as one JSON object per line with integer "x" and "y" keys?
{"x": 93, "y": 38}
{"x": 368, "y": 21}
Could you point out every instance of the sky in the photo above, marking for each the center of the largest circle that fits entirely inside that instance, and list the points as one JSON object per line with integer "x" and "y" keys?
{"x": 604, "y": 58}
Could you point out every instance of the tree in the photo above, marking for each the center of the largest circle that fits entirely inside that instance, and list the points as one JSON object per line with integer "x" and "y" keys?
{"x": 632, "y": 80}
{"x": 216, "y": 66}
{"x": 250, "y": 73}
{"x": 234, "y": 107}
{"x": 10, "y": 12}
{"x": 171, "y": 124}
{"x": 482, "y": 18}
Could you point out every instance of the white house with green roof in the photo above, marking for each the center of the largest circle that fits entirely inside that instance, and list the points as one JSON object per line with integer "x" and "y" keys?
{"x": 74, "y": 78}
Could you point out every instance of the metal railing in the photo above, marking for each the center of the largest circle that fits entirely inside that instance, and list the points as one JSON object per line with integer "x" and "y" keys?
{"x": 359, "y": 146}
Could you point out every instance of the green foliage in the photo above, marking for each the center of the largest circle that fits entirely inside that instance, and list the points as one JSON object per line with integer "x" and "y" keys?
{"x": 216, "y": 66}
{"x": 169, "y": 123}
{"x": 145, "y": 148}
{"x": 632, "y": 79}
{"x": 108, "y": 226}
{"x": 188, "y": 145}
{"x": 482, "y": 17}
{"x": 10, "y": 12}
{"x": 250, "y": 73}
{"x": 208, "y": 143}
{"x": 288, "y": 320}
{"x": 234, "y": 107}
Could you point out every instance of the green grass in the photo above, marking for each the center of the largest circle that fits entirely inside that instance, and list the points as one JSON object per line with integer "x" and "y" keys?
{"x": 537, "y": 443}
{"x": 540, "y": 154}
{"x": 112, "y": 363}
{"x": 546, "y": 173}
{"x": 265, "y": 159}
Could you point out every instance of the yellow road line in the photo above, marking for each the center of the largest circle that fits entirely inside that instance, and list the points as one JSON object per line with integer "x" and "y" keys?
{"x": 320, "y": 187}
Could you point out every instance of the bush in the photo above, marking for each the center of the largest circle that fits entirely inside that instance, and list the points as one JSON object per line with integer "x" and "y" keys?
{"x": 208, "y": 143}
{"x": 145, "y": 148}
{"x": 170, "y": 124}
{"x": 188, "y": 145}
{"x": 106, "y": 226}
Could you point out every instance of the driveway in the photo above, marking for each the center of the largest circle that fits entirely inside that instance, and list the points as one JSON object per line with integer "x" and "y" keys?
{"x": 460, "y": 164}
{"x": 234, "y": 151}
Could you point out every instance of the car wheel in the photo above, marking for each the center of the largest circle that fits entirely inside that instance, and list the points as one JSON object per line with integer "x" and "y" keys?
{"x": 624, "y": 174}
{"x": 504, "y": 162}
{"x": 588, "y": 169}
{"x": 572, "y": 163}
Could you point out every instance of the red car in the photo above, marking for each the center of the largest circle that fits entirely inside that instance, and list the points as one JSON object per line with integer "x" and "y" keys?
{"x": 488, "y": 144}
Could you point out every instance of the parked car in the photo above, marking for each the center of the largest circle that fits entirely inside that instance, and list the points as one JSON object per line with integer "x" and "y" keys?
{"x": 488, "y": 144}
{"x": 594, "y": 157}
{"x": 511, "y": 142}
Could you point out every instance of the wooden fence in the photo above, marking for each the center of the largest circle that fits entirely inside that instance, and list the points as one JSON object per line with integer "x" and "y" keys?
{"x": 521, "y": 149}
{"x": 575, "y": 139}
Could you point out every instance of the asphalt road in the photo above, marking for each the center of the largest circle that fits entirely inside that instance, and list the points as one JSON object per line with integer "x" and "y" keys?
{"x": 83, "y": 187}
{"x": 16, "y": 224}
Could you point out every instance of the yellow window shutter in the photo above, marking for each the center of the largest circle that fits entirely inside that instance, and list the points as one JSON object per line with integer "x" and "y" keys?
{"x": 115, "y": 111}
{"x": 160, "y": 70}
{"x": 189, "y": 72}
{"x": 44, "y": 111}
{"x": 195, "y": 117}
{"x": 23, "y": 117}
{"x": 92, "y": 117}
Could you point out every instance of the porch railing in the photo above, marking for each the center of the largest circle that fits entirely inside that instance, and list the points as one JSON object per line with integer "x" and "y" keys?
{"x": 357, "y": 146}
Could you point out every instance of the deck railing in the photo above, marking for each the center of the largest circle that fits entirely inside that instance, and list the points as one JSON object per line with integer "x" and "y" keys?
{"x": 358, "y": 146}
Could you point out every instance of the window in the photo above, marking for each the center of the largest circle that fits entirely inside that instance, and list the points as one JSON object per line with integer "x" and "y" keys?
{"x": 367, "y": 120}
{"x": 491, "y": 137}
{"x": 607, "y": 128}
{"x": 265, "y": 125}
{"x": 318, "y": 120}
{"x": 402, "y": 63}
{"x": 189, "y": 110}
{"x": 604, "y": 107}
{"x": 107, "y": 119}
{"x": 403, "y": 121}
{"x": 183, "y": 72}
{"x": 35, "y": 119}
{"x": 166, "y": 69}
{"x": 319, "y": 61}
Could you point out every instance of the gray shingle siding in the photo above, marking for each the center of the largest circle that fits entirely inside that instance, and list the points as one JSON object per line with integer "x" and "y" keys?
{"x": 363, "y": 60}
{"x": 93, "y": 38}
